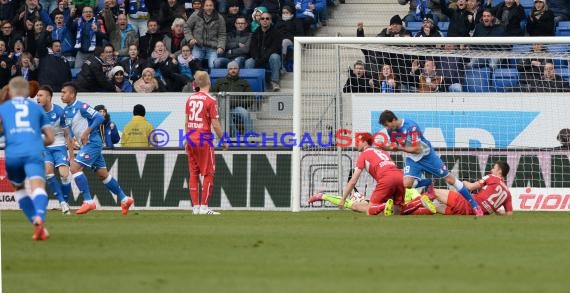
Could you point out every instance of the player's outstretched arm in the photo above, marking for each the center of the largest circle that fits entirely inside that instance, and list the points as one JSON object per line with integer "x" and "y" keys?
{"x": 349, "y": 186}
{"x": 472, "y": 185}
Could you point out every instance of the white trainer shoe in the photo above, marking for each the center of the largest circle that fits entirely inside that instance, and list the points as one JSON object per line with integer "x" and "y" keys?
{"x": 208, "y": 212}
{"x": 65, "y": 208}
{"x": 196, "y": 210}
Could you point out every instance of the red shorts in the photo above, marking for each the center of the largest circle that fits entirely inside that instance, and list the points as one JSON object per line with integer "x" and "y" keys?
{"x": 457, "y": 205}
{"x": 391, "y": 186}
{"x": 201, "y": 159}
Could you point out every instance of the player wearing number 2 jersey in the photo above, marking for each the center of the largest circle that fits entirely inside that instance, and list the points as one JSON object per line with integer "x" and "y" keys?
{"x": 201, "y": 117}
{"x": 388, "y": 178}
{"x": 493, "y": 194}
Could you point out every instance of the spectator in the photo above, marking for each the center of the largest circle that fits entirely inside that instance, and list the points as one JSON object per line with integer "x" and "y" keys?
{"x": 7, "y": 9}
{"x": 59, "y": 31}
{"x": 461, "y": 20}
{"x": 475, "y": 7}
{"x": 540, "y": 21}
{"x": 289, "y": 26}
{"x": 6, "y": 65}
{"x": 386, "y": 82}
{"x": 48, "y": 5}
{"x": 147, "y": 83}
{"x": 63, "y": 9}
{"x": 53, "y": 69}
{"x": 206, "y": 31}
{"x": 92, "y": 78}
{"x": 148, "y": 41}
{"x": 18, "y": 50}
{"x": 237, "y": 46}
{"x": 133, "y": 65}
{"x": 26, "y": 67}
{"x": 231, "y": 15}
{"x": 265, "y": 50}
{"x": 117, "y": 76}
{"x": 418, "y": 9}
{"x": 552, "y": 82}
{"x": 114, "y": 9}
{"x": 560, "y": 9}
{"x": 273, "y": 6}
{"x": 510, "y": 14}
{"x": 358, "y": 81}
{"x": 487, "y": 28}
{"x": 109, "y": 59}
{"x": 240, "y": 118}
{"x": 305, "y": 11}
{"x": 396, "y": 29}
{"x": 255, "y": 16}
{"x": 429, "y": 29}
{"x": 136, "y": 132}
{"x": 107, "y": 129}
{"x": 428, "y": 81}
{"x": 564, "y": 138}
{"x": 138, "y": 15}
{"x": 121, "y": 34}
{"x": 530, "y": 69}
{"x": 187, "y": 64}
{"x": 8, "y": 35}
{"x": 27, "y": 14}
{"x": 87, "y": 35}
{"x": 169, "y": 11}
{"x": 452, "y": 68}
{"x": 166, "y": 69}
{"x": 37, "y": 36}
{"x": 174, "y": 39}
{"x": 196, "y": 6}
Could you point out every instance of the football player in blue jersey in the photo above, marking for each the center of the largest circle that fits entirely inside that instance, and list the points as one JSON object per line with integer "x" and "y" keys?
{"x": 22, "y": 122}
{"x": 83, "y": 122}
{"x": 406, "y": 136}
{"x": 56, "y": 154}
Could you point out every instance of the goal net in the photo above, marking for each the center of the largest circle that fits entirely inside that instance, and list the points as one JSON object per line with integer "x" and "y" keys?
{"x": 477, "y": 100}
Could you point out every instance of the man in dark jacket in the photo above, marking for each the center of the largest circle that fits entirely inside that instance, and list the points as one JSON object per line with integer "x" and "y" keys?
{"x": 237, "y": 46}
{"x": 357, "y": 82}
{"x": 265, "y": 49}
{"x": 53, "y": 69}
{"x": 92, "y": 78}
{"x": 147, "y": 42}
{"x": 240, "y": 118}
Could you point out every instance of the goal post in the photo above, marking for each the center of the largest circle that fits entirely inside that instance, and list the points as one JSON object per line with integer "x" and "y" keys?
{"x": 501, "y": 105}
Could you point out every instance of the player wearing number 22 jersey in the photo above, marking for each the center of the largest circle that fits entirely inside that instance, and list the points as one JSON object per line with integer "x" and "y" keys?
{"x": 201, "y": 117}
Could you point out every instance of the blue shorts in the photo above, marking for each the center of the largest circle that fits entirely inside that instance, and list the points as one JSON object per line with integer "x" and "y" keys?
{"x": 56, "y": 156}
{"x": 431, "y": 163}
{"x": 19, "y": 169}
{"x": 91, "y": 156}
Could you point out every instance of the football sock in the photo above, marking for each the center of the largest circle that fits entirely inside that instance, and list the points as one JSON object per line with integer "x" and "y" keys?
{"x": 194, "y": 186}
{"x": 207, "y": 188}
{"x": 465, "y": 193}
{"x": 412, "y": 206}
{"x": 114, "y": 187}
{"x": 55, "y": 187}
{"x": 83, "y": 186}
{"x": 26, "y": 204}
{"x": 375, "y": 209}
{"x": 422, "y": 212}
{"x": 335, "y": 199}
{"x": 39, "y": 196}
{"x": 66, "y": 188}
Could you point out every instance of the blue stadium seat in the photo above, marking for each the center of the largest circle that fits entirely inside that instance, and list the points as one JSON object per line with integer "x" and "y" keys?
{"x": 505, "y": 78}
{"x": 443, "y": 26}
{"x": 74, "y": 73}
{"x": 414, "y": 26}
{"x": 255, "y": 77}
{"x": 477, "y": 80}
{"x": 563, "y": 24}
{"x": 522, "y": 48}
{"x": 562, "y": 32}
{"x": 560, "y": 63}
{"x": 527, "y": 4}
{"x": 564, "y": 73}
{"x": 558, "y": 48}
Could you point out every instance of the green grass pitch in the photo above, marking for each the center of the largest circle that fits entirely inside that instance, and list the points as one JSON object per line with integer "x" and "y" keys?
{"x": 329, "y": 251}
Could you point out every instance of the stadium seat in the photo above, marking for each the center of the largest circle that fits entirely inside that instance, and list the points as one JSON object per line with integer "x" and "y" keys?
{"x": 558, "y": 48}
{"x": 505, "y": 78}
{"x": 527, "y": 4}
{"x": 562, "y": 32}
{"x": 477, "y": 80}
{"x": 522, "y": 48}
{"x": 414, "y": 26}
{"x": 563, "y": 24}
{"x": 255, "y": 77}
{"x": 564, "y": 73}
{"x": 560, "y": 63}
{"x": 74, "y": 73}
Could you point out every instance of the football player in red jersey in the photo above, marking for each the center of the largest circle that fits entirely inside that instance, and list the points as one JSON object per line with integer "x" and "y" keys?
{"x": 388, "y": 178}
{"x": 201, "y": 118}
{"x": 493, "y": 194}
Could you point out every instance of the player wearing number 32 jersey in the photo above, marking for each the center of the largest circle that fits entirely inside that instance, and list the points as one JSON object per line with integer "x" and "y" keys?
{"x": 493, "y": 194}
{"x": 201, "y": 116}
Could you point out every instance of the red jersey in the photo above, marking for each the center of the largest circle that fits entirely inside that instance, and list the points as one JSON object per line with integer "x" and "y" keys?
{"x": 201, "y": 108}
{"x": 494, "y": 194}
{"x": 377, "y": 162}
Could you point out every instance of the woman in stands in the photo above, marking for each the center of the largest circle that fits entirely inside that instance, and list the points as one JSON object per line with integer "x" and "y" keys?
{"x": 147, "y": 83}
{"x": 386, "y": 82}
{"x": 26, "y": 67}
{"x": 540, "y": 21}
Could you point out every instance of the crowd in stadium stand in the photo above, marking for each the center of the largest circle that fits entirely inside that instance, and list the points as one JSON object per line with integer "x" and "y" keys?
{"x": 109, "y": 45}
{"x": 469, "y": 18}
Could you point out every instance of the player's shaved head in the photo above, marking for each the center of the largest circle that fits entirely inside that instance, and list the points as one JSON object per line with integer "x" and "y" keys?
{"x": 202, "y": 79}
{"x": 18, "y": 87}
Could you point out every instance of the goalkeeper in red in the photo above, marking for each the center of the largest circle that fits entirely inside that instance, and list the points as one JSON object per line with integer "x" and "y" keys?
{"x": 389, "y": 189}
{"x": 407, "y": 136}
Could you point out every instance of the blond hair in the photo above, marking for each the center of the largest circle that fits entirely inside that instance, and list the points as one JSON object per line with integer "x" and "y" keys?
{"x": 202, "y": 79}
{"x": 18, "y": 87}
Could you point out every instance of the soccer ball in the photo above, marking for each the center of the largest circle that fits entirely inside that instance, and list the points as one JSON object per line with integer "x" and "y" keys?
{"x": 357, "y": 197}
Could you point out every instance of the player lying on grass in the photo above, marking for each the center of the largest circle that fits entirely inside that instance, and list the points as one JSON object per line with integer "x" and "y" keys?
{"x": 493, "y": 194}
